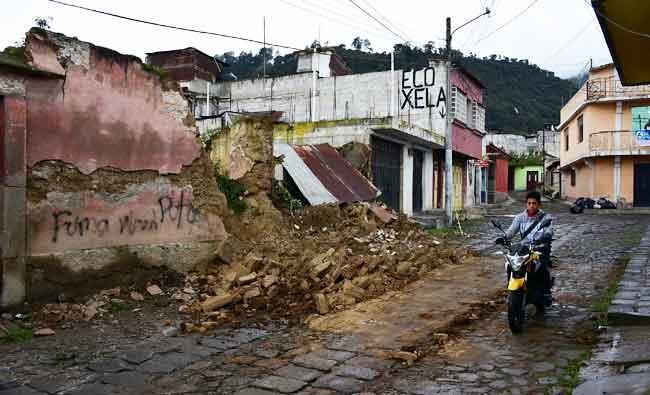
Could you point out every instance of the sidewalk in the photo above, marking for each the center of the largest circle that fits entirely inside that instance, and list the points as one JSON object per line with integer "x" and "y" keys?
{"x": 620, "y": 361}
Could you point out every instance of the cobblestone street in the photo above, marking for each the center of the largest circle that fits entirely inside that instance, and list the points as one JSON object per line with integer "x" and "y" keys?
{"x": 483, "y": 357}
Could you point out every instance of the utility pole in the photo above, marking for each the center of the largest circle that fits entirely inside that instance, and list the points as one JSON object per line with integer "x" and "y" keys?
{"x": 449, "y": 180}
{"x": 449, "y": 174}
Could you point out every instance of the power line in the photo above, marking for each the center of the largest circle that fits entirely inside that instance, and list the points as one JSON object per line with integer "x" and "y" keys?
{"x": 173, "y": 27}
{"x": 397, "y": 27}
{"x": 378, "y": 21}
{"x": 355, "y": 26}
{"x": 509, "y": 21}
{"x": 626, "y": 29}
{"x": 572, "y": 39}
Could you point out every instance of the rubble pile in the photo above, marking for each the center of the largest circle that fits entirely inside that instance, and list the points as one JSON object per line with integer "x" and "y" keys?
{"x": 328, "y": 259}
{"x": 105, "y": 302}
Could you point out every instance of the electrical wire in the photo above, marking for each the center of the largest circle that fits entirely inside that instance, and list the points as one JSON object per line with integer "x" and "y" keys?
{"x": 173, "y": 27}
{"x": 378, "y": 21}
{"x": 572, "y": 39}
{"x": 508, "y": 22}
{"x": 314, "y": 12}
{"x": 624, "y": 28}
{"x": 397, "y": 27}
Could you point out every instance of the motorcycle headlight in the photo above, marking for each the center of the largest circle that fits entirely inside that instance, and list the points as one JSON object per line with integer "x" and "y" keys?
{"x": 516, "y": 261}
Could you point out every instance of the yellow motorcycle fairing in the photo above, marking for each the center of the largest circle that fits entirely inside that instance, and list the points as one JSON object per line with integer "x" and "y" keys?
{"x": 516, "y": 283}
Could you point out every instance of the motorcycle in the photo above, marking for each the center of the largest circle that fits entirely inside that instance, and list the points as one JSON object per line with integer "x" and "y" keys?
{"x": 525, "y": 279}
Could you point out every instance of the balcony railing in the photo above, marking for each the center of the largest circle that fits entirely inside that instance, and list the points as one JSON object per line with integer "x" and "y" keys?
{"x": 619, "y": 143}
{"x": 601, "y": 88}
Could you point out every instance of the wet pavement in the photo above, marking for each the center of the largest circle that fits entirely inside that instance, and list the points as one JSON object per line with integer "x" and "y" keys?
{"x": 483, "y": 357}
{"x": 487, "y": 359}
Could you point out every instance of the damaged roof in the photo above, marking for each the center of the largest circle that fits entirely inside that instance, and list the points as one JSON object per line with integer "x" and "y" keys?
{"x": 324, "y": 176}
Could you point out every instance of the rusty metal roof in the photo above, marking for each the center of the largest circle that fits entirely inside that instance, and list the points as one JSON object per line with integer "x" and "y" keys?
{"x": 336, "y": 174}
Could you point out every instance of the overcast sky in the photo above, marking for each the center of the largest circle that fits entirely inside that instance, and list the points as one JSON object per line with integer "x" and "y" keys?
{"x": 558, "y": 35}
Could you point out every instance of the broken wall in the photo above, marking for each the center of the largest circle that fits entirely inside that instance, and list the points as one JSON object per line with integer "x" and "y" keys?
{"x": 243, "y": 152}
{"x": 116, "y": 178}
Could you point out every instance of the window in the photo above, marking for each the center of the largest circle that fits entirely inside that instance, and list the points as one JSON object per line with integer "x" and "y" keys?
{"x": 573, "y": 177}
{"x": 453, "y": 101}
{"x": 566, "y": 139}
{"x": 581, "y": 135}
{"x": 474, "y": 120}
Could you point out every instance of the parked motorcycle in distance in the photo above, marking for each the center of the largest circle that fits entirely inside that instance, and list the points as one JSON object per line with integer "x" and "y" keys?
{"x": 525, "y": 280}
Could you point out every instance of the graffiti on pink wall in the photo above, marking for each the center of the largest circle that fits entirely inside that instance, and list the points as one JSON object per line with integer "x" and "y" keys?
{"x": 148, "y": 217}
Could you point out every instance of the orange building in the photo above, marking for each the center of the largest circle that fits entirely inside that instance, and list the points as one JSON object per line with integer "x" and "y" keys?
{"x": 605, "y": 140}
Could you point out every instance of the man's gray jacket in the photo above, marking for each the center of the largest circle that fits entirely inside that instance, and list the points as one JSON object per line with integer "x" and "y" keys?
{"x": 522, "y": 222}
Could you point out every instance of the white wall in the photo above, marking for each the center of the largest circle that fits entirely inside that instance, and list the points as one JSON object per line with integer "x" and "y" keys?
{"x": 345, "y": 97}
{"x": 511, "y": 143}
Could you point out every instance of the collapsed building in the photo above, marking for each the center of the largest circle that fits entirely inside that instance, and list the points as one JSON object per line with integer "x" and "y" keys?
{"x": 391, "y": 126}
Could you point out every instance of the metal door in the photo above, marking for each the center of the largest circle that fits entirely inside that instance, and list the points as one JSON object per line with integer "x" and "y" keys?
{"x": 642, "y": 185}
{"x": 386, "y": 170}
{"x": 418, "y": 163}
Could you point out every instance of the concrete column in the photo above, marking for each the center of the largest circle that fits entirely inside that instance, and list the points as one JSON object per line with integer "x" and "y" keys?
{"x": 13, "y": 205}
{"x": 619, "y": 125}
{"x": 407, "y": 181}
{"x": 617, "y": 178}
{"x": 427, "y": 182}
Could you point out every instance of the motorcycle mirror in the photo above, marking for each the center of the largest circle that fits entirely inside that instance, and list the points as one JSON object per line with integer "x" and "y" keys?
{"x": 496, "y": 224}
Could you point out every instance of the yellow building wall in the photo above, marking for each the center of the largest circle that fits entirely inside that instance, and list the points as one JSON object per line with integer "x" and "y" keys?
{"x": 604, "y": 178}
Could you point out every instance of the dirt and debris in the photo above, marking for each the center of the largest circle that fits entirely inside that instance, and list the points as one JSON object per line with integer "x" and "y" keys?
{"x": 326, "y": 259}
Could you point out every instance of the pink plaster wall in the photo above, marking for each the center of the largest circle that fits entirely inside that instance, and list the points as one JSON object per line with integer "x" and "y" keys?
{"x": 107, "y": 113}
{"x": 154, "y": 215}
{"x": 466, "y": 141}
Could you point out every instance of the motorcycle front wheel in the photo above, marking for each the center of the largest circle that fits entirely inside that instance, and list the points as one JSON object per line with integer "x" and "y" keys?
{"x": 516, "y": 311}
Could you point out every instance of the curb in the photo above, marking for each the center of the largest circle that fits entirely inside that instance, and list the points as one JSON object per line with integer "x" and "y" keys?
{"x": 631, "y": 304}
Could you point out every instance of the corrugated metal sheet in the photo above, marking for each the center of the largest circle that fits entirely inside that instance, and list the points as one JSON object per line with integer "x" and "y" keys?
{"x": 323, "y": 175}
{"x": 311, "y": 187}
{"x": 335, "y": 173}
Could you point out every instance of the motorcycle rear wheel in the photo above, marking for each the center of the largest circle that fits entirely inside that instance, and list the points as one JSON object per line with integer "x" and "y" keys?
{"x": 516, "y": 311}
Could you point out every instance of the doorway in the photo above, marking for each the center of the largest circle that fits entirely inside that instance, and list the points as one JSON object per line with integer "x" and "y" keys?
{"x": 386, "y": 170}
{"x": 532, "y": 179}
{"x": 642, "y": 185}
{"x": 418, "y": 164}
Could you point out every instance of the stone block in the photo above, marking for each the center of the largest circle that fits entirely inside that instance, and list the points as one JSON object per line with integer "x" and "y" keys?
{"x": 622, "y": 384}
{"x": 356, "y": 372}
{"x": 137, "y": 356}
{"x": 313, "y": 362}
{"x": 280, "y": 384}
{"x": 13, "y": 222}
{"x": 334, "y": 355}
{"x": 346, "y": 385}
{"x": 298, "y": 373}
{"x": 13, "y": 282}
{"x": 20, "y": 391}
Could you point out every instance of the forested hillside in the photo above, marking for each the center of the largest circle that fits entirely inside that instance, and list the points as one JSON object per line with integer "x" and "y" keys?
{"x": 521, "y": 97}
